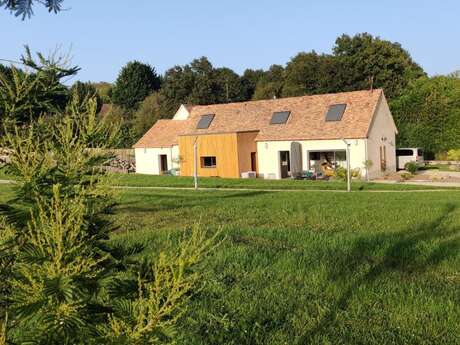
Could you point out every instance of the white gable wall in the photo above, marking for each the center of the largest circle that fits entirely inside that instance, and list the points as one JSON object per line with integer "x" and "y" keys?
{"x": 148, "y": 159}
{"x": 382, "y": 133}
{"x": 182, "y": 113}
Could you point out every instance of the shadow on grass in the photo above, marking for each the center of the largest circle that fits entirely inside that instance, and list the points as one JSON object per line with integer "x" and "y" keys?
{"x": 406, "y": 252}
{"x": 173, "y": 201}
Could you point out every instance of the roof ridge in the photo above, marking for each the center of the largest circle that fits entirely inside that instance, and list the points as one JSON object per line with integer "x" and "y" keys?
{"x": 287, "y": 98}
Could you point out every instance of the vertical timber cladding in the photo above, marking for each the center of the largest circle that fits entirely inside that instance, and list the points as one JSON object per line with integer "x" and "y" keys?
{"x": 232, "y": 152}
{"x": 246, "y": 145}
{"x": 222, "y": 146}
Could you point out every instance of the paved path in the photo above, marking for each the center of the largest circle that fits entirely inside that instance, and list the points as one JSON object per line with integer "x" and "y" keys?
{"x": 421, "y": 183}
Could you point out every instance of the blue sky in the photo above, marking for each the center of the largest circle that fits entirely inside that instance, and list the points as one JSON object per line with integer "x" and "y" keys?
{"x": 105, "y": 34}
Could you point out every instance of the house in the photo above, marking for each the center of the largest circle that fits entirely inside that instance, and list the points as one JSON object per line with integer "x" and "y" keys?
{"x": 274, "y": 138}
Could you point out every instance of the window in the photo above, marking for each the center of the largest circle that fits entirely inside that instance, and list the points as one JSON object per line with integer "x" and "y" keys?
{"x": 205, "y": 121}
{"x": 318, "y": 160}
{"x": 280, "y": 117}
{"x": 419, "y": 152}
{"x": 208, "y": 162}
{"x": 404, "y": 152}
{"x": 335, "y": 112}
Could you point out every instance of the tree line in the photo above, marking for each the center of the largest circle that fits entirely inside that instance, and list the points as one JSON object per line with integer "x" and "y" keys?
{"x": 425, "y": 109}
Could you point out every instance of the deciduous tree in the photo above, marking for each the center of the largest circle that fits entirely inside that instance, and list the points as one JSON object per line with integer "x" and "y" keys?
{"x": 270, "y": 85}
{"x": 365, "y": 60}
{"x": 427, "y": 114}
{"x": 135, "y": 82}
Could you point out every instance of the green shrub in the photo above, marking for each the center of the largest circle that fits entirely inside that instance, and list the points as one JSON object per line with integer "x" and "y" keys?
{"x": 441, "y": 156}
{"x": 406, "y": 176}
{"x": 340, "y": 173}
{"x": 453, "y": 155}
{"x": 356, "y": 173}
{"x": 411, "y": 167}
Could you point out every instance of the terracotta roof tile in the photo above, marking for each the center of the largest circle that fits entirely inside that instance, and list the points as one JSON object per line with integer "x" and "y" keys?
{"x": 164, "y": 133}
{"x": 306, "y": 121}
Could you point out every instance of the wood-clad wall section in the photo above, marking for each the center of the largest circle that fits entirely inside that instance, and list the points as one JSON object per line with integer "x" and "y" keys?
{"x": 222, "y": 146}
{"x": 232, "y": 152}
{"x": 246, "y": 145}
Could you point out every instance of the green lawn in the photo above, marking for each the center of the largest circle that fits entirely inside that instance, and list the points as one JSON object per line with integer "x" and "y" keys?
{"x": 139, "y": 180}
{"x": 313, "y": 267}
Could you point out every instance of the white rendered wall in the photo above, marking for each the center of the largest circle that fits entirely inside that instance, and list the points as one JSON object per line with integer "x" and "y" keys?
{"x": 268, "y": 154}
{"x": 382, "y": 133}
{"x": 182, "y": 113}
{"x": 148, "y": 160}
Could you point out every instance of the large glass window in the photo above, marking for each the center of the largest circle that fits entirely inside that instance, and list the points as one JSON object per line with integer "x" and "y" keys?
{"x": 320, "y": 160}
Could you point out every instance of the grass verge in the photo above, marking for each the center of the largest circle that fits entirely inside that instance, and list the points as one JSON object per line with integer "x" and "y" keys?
{"x": 139, "y": 180}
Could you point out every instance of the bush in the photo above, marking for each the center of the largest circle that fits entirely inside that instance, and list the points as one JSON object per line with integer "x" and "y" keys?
{"x": 406, "y": 176}
{"x": 340, "y": 173}
{"x": 441, "y": 156}
{"x": 356, "y": 173}
{"x": 453, "y": 155}
{"x": 411, "y": 167}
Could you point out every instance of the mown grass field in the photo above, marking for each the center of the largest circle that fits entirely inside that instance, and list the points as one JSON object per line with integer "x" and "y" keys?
{"x": 313, "y": 268}
{"x": 139, "y": 180}
{"x": 310, "y": 267}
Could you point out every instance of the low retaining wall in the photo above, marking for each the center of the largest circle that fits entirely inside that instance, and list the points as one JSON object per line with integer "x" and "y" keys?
{"x": 123, "y": 162}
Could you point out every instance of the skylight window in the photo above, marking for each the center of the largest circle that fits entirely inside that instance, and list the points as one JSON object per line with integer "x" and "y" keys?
{"x": 205, "y": 121}
{"x": 335, "y": 112}
{"x": 280, "y": 117}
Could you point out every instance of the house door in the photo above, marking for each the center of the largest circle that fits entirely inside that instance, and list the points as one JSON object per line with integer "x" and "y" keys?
{"x": 383, "y": 158}
{"x": 163, "y": 164}
{"x": 285, "y": 164}
{"x": 253, "y": 161}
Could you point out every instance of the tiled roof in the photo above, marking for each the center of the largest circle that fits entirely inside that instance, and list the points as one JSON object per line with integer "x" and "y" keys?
{"x": 307, "y": 120}
{"x": 164, "y": 133}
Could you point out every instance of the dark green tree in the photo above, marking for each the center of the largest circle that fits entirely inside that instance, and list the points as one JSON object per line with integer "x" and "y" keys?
{"x": 24, "y": 8}
{"x": 177, "y": 87}
{"x": 229, "y": 86}
{"x": 365, "y": 60}
{"x": 84, "y": 91}
{"x": 205, "y": 87}
{"x": 304, "y": 75}
{"x": 135, "y": 82}
{"x": 270, "y": 85}
{"x": 249, "y": 81}
{"x": 199, "y": 83}
{"x": 147, "y": 114}
{"x": 311, "y": 73}
{"x": 427, "y": 114}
